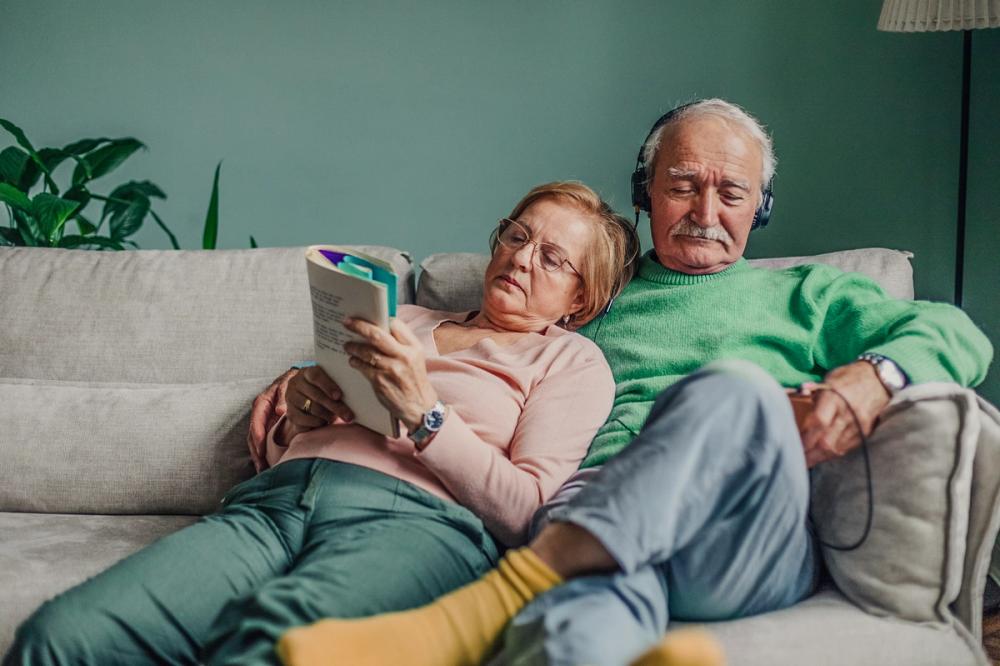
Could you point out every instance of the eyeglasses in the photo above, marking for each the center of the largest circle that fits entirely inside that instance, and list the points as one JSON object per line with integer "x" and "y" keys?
{"x": 513, "y": 235}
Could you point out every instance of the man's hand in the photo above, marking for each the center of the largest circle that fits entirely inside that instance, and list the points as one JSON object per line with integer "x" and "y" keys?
{"x": 267, "y": 408}
{"x": 830, "y": 430}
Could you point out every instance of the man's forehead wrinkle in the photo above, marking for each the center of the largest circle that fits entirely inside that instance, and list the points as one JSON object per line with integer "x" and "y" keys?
{"x": 726, "y": 170}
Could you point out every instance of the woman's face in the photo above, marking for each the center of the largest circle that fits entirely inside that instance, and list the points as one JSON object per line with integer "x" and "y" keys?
{"x": 518, "y": 294}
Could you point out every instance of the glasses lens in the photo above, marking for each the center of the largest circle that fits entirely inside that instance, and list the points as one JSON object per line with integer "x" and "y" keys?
{"x": 512, "y": 234}
{"x": 550, "y": 258}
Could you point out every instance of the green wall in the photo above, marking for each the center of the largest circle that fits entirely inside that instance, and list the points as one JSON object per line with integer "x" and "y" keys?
{"x": 419, "y": 124}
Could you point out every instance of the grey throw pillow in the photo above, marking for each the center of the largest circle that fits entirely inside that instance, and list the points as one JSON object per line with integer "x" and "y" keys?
{"x": 922, "y": 452}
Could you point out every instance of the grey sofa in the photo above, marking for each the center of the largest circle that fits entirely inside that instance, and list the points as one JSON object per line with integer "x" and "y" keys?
{"x": 125, "y": 385}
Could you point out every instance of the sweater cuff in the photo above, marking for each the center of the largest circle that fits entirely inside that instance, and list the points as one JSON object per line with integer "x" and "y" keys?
{"x": 912, "y": 357}
{"x": 451, "y": 446}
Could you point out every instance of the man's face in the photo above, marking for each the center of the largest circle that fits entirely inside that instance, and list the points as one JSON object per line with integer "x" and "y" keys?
{"x": 705, "y": 189}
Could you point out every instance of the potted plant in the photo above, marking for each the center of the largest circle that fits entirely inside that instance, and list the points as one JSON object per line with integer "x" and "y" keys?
{"x": 42, "y": 219}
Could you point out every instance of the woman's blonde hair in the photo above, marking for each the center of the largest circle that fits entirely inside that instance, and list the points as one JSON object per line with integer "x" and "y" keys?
{"x": 610, "y": 259}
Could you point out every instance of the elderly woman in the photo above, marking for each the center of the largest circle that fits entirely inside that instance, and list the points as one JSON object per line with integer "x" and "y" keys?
{"x": 499, "y": 406}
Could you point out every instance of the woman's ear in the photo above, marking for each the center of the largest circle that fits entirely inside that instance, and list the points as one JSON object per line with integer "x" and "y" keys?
{"x": 579, "y": 301}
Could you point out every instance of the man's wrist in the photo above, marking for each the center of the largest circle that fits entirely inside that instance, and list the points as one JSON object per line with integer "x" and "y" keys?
{"x": 887, "y": 371}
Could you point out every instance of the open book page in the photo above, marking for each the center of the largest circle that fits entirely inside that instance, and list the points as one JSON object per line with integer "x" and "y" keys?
{"x": 338, "y": 293}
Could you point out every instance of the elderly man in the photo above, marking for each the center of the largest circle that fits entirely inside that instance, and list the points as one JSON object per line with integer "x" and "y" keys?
{"x": 699, "y": 508}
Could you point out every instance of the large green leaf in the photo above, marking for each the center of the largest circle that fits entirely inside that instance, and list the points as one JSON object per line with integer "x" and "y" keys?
{"x": 22, "y": 141}
{"x": 50, "y": 159}
{"x": 90, "y": 241}
{"x": 12, "y": 163}
{"x": 211, "y": 233}
{"x": 18, "y": 135}
{"x": 87, "y": 227}
{"x": 10, "y": 236}
{"x": 52, "y": 212}
{"x": 126, "y": 221}
{"x": 143, "y": 187}
{"x": 28, "y": 228}
{"x": 105, "y": 159}
{"x": 79, "y": 194}
{"x": 127, "y": 206}
{"x": 84, "y": 146}
{"x": 14, "y": 197}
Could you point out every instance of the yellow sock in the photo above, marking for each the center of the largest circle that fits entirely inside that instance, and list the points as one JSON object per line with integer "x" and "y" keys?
{"x": 457, "y": 629}
{"x": 684, "y": 647}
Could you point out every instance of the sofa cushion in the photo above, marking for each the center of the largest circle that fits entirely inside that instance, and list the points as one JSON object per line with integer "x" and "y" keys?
{"x": 90, "y": 447}
{"x": 159, "y": 316}
{"x": 453, "y": 281}
{"x": 828, "y": 630}
{"x": 43, "y": 554}
{"x": 921, "y": 453}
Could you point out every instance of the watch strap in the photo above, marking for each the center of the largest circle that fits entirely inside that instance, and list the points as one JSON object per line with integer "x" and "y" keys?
{"x": 888, "y": 371}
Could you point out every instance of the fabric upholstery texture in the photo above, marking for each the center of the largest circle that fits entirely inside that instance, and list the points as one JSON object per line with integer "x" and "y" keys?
{"x": 159, "y": 316}
{"x": 43, "y": 554}
{"x": 828, "y": 630}
{"x": 984, "y": 519}
{"x": 122, "y": 448}
{"x": 922, "y": 453}
{"x": 454, "y": 280}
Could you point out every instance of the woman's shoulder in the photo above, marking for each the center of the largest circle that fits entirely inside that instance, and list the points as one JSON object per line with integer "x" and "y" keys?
{"x": 573, "y": 348}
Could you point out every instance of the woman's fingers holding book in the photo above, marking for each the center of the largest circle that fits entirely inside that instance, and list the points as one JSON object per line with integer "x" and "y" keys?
{"x": 374, "y": 336}
{"x": 316, "y": 376}
{"x": 315, "y": 400}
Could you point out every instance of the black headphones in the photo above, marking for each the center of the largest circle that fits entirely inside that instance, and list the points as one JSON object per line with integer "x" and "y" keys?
{"x": 640, "y": 190}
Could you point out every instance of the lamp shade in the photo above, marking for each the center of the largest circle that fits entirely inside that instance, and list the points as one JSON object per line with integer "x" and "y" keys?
{"x": 936, "y": 15}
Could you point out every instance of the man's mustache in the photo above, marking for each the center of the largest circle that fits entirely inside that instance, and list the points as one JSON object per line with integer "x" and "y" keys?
{"x": 688, "y": 228}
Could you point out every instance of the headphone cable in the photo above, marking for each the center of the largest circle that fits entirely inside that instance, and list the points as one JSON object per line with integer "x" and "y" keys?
{"x": 811, "y": 524}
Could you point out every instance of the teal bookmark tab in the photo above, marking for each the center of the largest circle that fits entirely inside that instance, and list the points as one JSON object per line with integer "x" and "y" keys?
{"x": 365, "y": 269}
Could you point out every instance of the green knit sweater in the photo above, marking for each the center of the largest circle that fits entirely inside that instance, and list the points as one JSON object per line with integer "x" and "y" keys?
{"x": 796, "y": 323}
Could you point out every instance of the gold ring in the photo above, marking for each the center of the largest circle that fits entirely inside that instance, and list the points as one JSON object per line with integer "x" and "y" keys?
{"x": 373, "y": 361}
{"x": 306, "y": 405}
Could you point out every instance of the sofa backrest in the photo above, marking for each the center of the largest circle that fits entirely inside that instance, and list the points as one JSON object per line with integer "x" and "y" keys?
{"x": 454, "y": 281}
{"x": 159, "y": 316}
{"x": 126, "y": 377}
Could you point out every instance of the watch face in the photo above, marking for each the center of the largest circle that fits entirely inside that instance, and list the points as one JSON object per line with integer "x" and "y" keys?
{"x": 891, "y": 375}
{"x": 434, "y": 419}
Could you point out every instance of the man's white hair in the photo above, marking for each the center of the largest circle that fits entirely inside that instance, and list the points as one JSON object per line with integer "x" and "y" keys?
{"x": 719, "y": 108}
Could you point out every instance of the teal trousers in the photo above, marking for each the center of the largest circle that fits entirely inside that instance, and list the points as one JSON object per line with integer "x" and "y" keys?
{"x": 305, "y": 540}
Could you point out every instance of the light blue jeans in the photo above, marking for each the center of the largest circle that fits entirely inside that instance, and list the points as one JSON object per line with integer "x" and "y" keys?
{"x": 705, "y": 513}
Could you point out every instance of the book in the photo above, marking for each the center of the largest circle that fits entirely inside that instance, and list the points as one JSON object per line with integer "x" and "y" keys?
{"x": 346, "y": 283}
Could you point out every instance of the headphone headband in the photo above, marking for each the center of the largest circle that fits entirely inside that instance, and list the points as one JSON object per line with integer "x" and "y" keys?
{"x": 640, "y": 180}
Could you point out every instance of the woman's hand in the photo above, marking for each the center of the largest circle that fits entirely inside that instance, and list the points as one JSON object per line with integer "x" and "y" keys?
{"x": 267, "y": 408}
{"x": 313, "y": 401}
{"x": 394, "y": 363}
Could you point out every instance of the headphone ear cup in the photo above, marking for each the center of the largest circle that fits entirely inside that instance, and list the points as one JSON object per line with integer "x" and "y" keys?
{"x": 640, "y": 195}
{"x": 763, "y": 214}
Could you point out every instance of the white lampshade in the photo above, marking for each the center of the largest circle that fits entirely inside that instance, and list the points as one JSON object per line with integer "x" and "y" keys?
{"x": 935, "y": 15}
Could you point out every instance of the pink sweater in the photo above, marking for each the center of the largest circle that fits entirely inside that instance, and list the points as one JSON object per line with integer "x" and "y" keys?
{"x": 521, "y": 419}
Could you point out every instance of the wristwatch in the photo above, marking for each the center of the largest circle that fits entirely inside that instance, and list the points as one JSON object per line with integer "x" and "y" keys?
{"x": 433, "y": 421}
{"x": 890, "y": 374}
